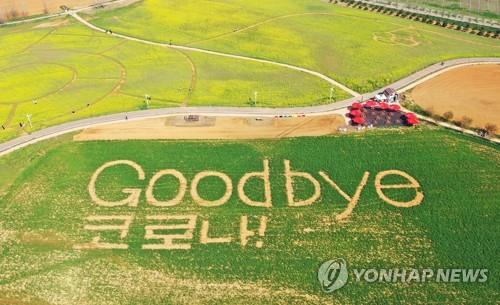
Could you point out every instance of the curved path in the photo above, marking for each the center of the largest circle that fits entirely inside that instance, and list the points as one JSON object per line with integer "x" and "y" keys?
{"x": 193, "y": 49}
{"x": 401, "y": 85}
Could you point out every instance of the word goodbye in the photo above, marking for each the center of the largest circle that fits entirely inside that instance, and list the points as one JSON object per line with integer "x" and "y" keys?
{"x": 290, "y": 175}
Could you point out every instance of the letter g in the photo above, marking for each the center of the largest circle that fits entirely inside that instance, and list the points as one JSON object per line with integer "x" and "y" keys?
{"x": 131, "y": 200}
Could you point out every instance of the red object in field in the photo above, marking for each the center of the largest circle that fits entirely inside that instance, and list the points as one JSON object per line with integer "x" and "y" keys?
{"x": 384, "y": 106}
{"x": 356, "y": 112}
{"x": 411, "y": 115}
{"x": 371, "y": 104}
{"x": 412, "y": 120}
{"x": 395, "y": 107}
{"x": 356, "y": 105}
{"x": 358, "y": 120}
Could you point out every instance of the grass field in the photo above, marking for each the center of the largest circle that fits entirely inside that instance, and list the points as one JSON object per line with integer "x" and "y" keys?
{"x": 45, "y": 201}
{"x": 362, "y": 50}
{"x": 72, "y": 72}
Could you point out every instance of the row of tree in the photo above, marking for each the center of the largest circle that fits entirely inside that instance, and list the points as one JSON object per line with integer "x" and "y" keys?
{"x": 465, "y": 122}
{"x": 463, "y": 26}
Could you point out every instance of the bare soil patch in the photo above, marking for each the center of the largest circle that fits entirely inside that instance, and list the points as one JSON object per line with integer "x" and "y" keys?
{"x": 29, "y": 8}
{"x": 472, "y": 91}
{"x": 11, "y": 9}
{"x": 215, "y": 128}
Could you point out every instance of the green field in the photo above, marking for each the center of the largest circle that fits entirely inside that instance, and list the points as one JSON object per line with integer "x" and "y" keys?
{"x": 45, "y": 201}
{"x": 73, "y": 72}
{"x": 362, "y": 50}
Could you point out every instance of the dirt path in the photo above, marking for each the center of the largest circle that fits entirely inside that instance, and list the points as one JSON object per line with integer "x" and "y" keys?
{"x": 248, "y": 27}
{"x": 199, "y": 50}
{"x": 194, "y": 77}
{"x": 472, "y": 91}
{"x": 215, "y": 128}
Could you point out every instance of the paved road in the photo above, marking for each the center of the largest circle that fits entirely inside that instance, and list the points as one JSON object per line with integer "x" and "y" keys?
{"x": 401, "y": 85}
{"x": 404, "y": 84}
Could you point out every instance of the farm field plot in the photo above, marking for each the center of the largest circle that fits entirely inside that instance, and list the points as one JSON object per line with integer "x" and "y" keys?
{"x": 59, "y": 71}
{"x": 47, "y": 209}
{"x": 466, "y": 91}
{"x": 363, "y": 50}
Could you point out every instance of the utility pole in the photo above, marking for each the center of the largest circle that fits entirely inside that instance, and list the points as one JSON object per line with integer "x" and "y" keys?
{"x": 148, "y": 99}
{"x": 28, "y": 116}
{"x": 256, "y": 96}
{"x": 331, "y": 94}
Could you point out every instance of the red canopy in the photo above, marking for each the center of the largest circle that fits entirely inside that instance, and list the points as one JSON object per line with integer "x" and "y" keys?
{"x": 356, "y": 105}
{"x": 412, "y": 120}
{"x": 358, "y": 120}
{"x": 384, "y": 105}
{"x": 356, "y": 112}
{"x": 411, "y": 115}
{"x": 395, "y": 107}
{"x": 371, "y": 104}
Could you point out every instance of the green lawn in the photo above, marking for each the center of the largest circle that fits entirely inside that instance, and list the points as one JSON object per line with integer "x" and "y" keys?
{"x": 73, "y": 72}
{"x": 362, "y": 50}
{"x": 45, "y": 202}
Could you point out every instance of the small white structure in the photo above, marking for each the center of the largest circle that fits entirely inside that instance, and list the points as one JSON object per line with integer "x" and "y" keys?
{"x": 389, "y": 95}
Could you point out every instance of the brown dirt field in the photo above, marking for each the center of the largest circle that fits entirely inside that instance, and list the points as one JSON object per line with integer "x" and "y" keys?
{"x": 214, "y": 128}
{"x": 473, "y": 91}
{"x": 32, "y": 7}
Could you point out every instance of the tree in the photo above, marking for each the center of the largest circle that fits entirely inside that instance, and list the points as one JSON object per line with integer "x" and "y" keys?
{"x": 465, "y": 122}
{"x": 491, "y": 128}
{"x": 448, "y": 115}
{"x": 429, "y": 112}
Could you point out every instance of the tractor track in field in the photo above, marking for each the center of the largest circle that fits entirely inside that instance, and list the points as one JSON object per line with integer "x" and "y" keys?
{"x": 194, "y": 77}
{"x": 255, "y": 25}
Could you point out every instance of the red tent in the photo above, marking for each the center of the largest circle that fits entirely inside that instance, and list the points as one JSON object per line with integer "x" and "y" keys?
{"x": 356, "y": 105}
{"x": 358, "y": 120}
{"x": 412, "y": 120}
{"x": 395, "y": 107}
{"x": 371, "y": 104}
{"x": 384, "y": 106}
{"x": 356, "y": 112}
{"x": 411, "y": 115}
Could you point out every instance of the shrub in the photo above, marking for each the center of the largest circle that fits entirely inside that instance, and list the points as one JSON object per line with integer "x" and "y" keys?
{"x": 491, "y": 128}
{"x": 465, "y": 122}
{"x": 448, "y": 115}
